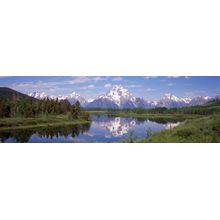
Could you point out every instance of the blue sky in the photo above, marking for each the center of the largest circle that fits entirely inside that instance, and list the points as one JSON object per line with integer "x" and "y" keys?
{"x": 151, "y": 88}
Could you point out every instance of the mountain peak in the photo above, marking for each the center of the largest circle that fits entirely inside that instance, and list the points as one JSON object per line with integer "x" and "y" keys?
{"x": 72, "y": 98}
{"x": 117, "y": 97}
{"x": 171, "y": 97}
{"x": 74, "y": 95}
{"x": 120, "y": 97}
{"x": 38, "y": 95}
{"x": 118, "y": 88}
{"x": 118, "y": 94}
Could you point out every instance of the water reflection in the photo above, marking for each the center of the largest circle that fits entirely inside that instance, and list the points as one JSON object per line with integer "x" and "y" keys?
{"x": 118, "y": 126}
{"x": 23, "y": 136}
{"x": 102, "y": 129}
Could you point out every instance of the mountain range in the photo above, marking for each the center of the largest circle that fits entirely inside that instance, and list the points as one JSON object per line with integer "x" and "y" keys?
{"x": 72, "y": 98}
{"x": 119, "y": 98}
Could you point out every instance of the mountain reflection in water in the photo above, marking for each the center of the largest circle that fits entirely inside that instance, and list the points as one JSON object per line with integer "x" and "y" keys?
{"x": 118, "y": 126}
{"x": 102, "y": 129}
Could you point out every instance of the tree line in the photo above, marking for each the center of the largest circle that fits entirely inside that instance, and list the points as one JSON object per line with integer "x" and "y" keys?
{"x": 210, "y": 108}
{"x": 32, "y": 108}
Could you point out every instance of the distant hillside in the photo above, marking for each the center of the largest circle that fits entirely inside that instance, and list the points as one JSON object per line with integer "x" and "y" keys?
{"x": 12, "y": 95}
{"x": 213, "y": 102}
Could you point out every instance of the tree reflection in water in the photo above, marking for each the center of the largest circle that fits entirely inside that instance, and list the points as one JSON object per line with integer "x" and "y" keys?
{"x": 24, "y": 135}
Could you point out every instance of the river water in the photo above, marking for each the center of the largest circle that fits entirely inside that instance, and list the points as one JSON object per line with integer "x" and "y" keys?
{"x": 102, "y": 129}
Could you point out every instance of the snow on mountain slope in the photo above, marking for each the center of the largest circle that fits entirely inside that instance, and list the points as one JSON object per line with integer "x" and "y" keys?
{"x": 38, "y": 95}
{"x": 72, "y": 98}
{"x": 172, "y": 101}
{"x": 200, "y": 100}
{"x": 117, "y": 97}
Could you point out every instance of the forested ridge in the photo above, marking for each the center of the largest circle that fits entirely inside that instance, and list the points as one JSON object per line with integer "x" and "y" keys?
{"x": 211, "y": 107}
{"x": 15, "y": 104}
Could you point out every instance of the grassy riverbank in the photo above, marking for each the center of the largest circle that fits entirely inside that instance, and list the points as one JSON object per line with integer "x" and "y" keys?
{"x": 199, "y": 123}
{"x": 200, "y": 130}
{"x": 38, "y": 122}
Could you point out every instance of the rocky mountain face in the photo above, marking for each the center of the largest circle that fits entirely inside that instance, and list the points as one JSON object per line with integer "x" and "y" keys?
{"x": 120, "y": 98}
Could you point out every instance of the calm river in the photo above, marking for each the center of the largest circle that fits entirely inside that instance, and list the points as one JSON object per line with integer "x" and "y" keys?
{"x": 102, "y": 129}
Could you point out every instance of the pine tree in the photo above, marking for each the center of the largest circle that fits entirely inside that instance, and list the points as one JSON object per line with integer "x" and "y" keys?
{"x": 2, "y": 109}
{"x": 73, "y": 112}
{"x": 78, "y": 109}
{"x": 65, "y": 106}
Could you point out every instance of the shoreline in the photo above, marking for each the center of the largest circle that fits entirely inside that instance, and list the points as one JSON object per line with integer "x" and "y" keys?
{"x": 40, "y": 122}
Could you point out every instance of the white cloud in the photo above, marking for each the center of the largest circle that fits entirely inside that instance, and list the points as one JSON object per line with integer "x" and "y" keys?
{"x": 150, "y": 77}
{"x": 186, "y": 77}
{"x": 195, "y": 93}
{"x": 88, "y": 87}
{"x": 117, "y": 78}
{"x": 171, "y": 84}
{"x": 78, "y": 79}
{"x": 99, "y": 78}
{"x": 91, "y": 86}
{"x": 84, "y": 79}
{"x": 150, "y": 90}
{"x": 108, "y": 85}
{"x": 134, "y": 86}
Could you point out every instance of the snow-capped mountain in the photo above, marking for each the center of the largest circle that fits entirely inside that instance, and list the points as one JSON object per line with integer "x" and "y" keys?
{"x": 120, "y": 98}
{"x": 169, "y": 101}
{"x": 117, "y": 97}
{"x": 38, "y": 95}
{"x": 72, "y": 98}
{"x": 200, "y": 100}
{"x": 172, "y": 101}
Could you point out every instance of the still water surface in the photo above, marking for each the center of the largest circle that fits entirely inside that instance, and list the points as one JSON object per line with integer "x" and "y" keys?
{"x": 102, "y": 129}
